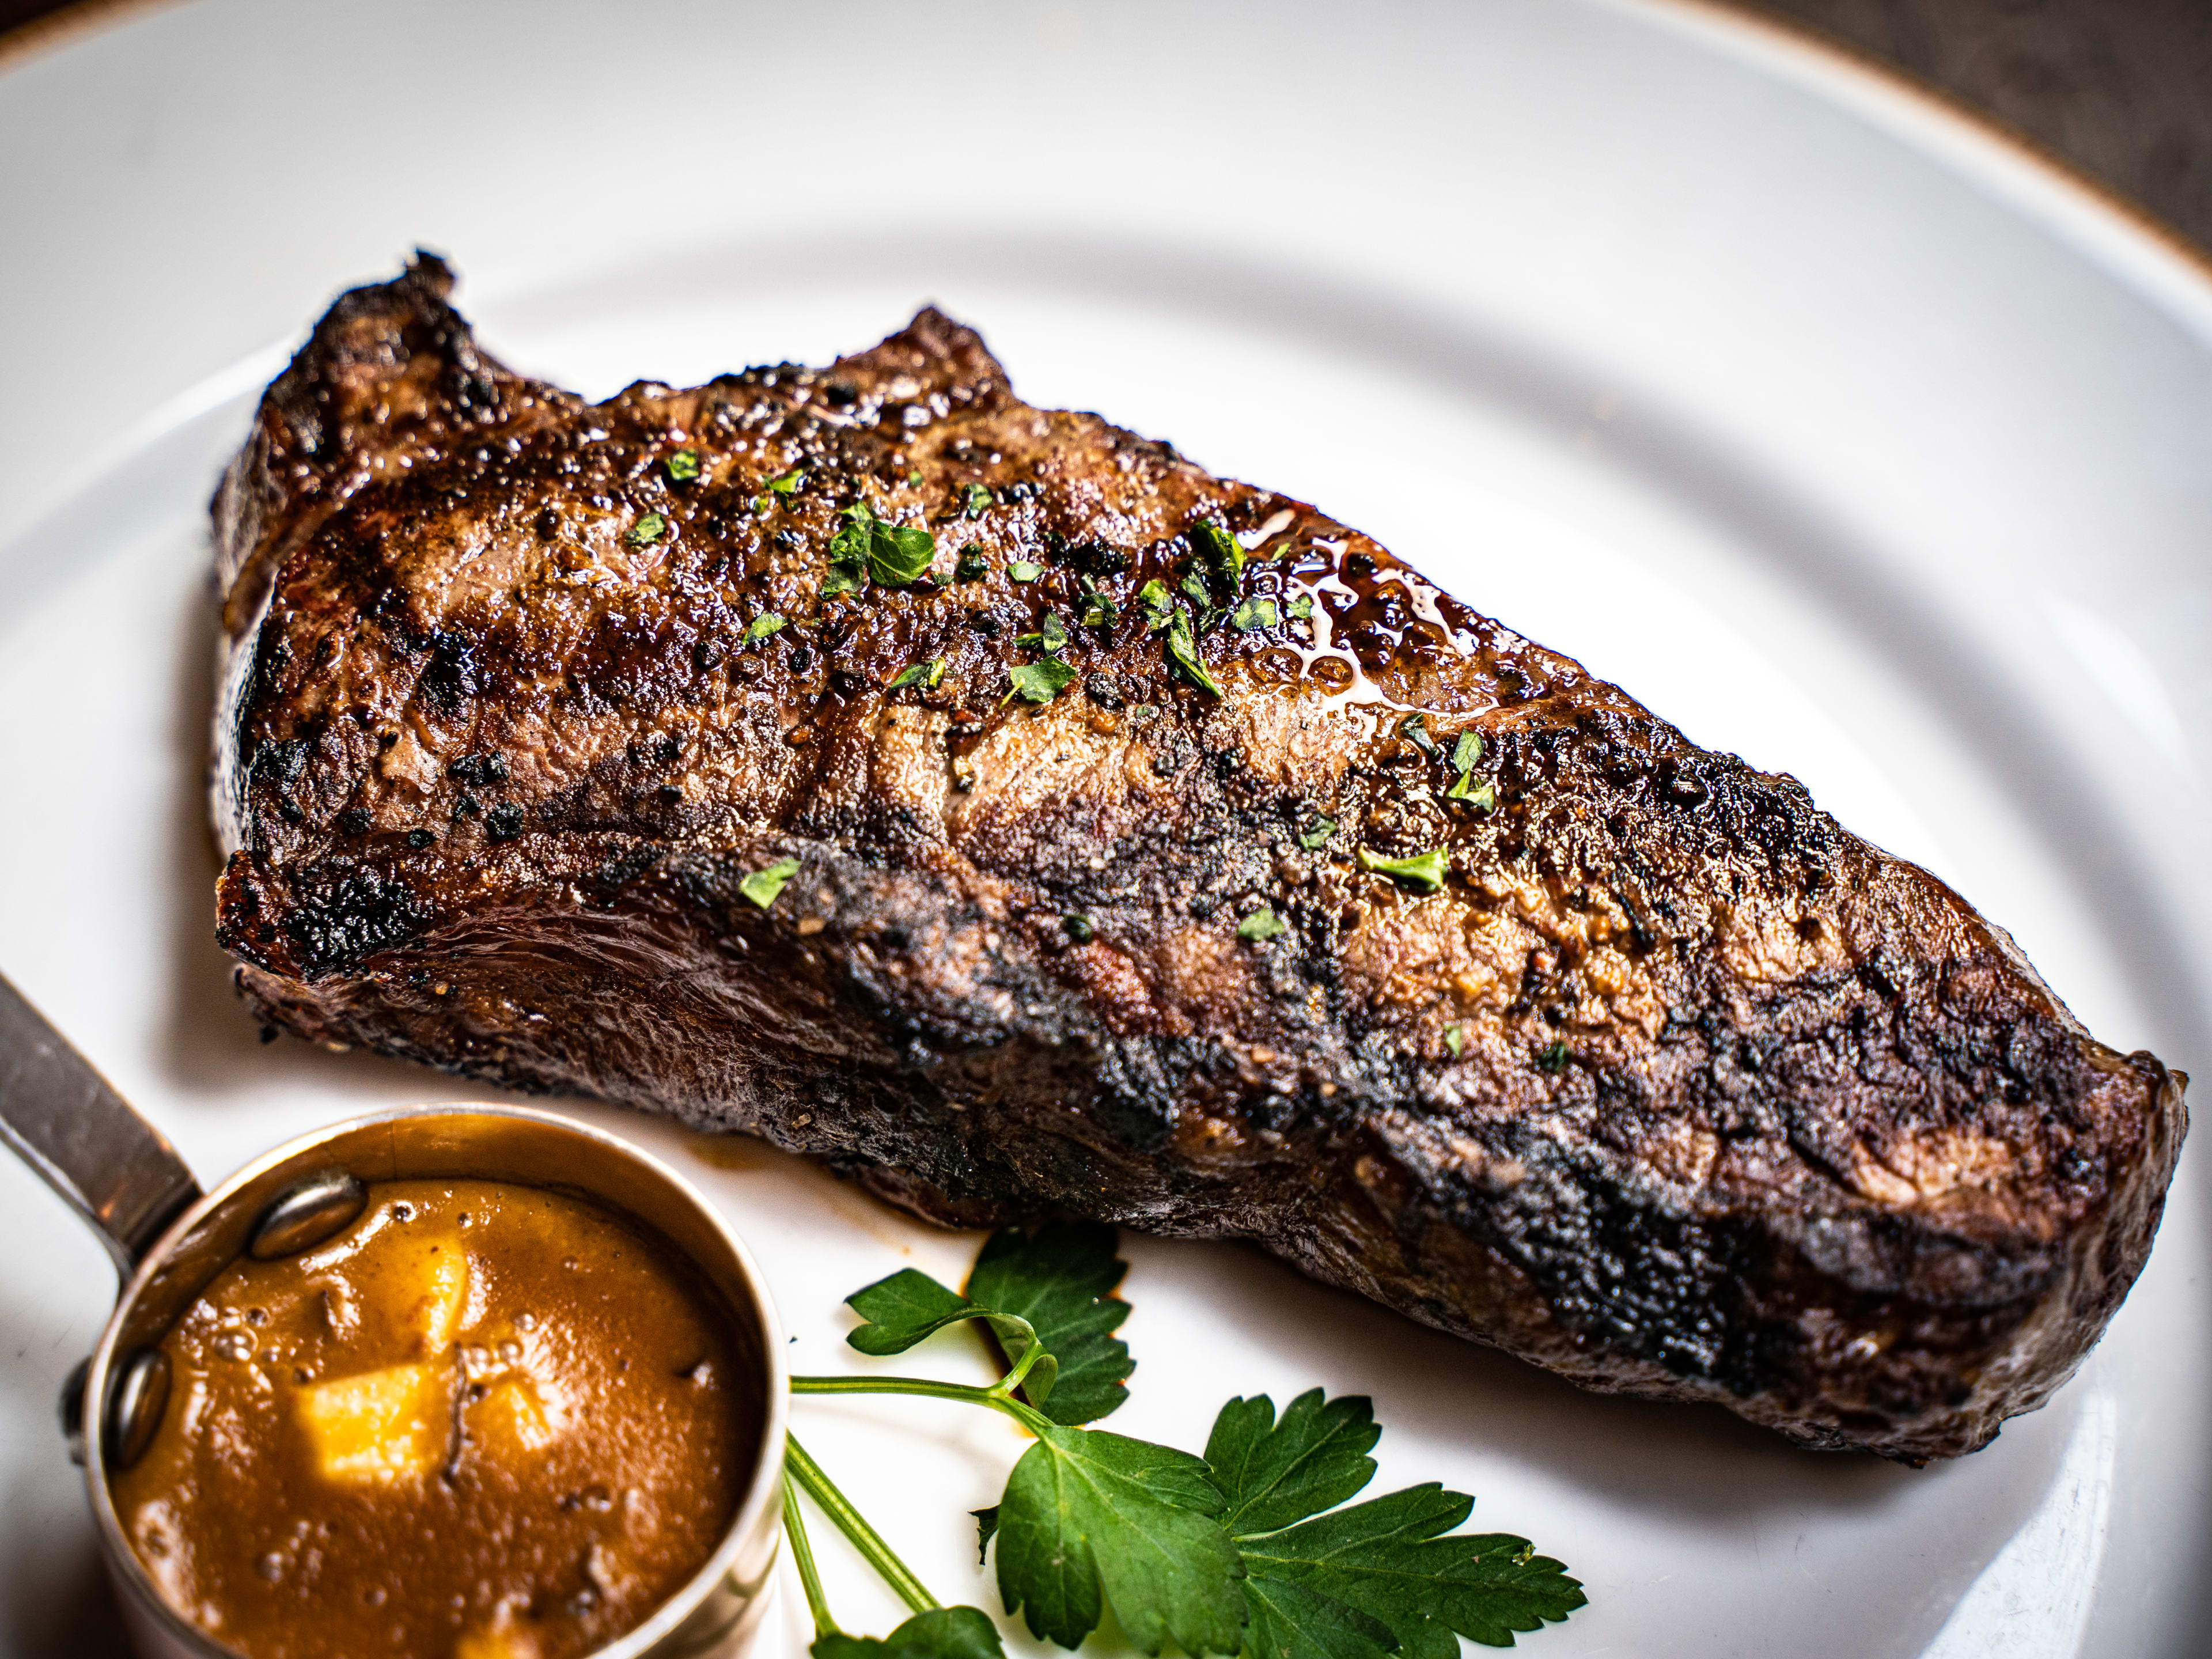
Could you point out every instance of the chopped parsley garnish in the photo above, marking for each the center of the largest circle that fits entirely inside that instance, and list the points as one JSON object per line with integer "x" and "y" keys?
{"x": 647, "y": 530}
{"x": 682, "y": 466}
{"x": 1254, "y": 613}
{"x": 973, "y": 566}
{"x": 1554, "y": 1057}
{"x": 1039, "y": 682}
{"x": 977, "y": 498}
{"x": 763, "y": 885}
{"x": 848, "y": 551}
{"x": 1051, "y": 636}
{"x": 1316, "y": 836}
{"x": 789, "y": 482}
{"x": 1465, "y": 753}
{"x": 898, "y": 554}
{"x": 895, "y": 555}
{"x": 1254, "y": 1550}
{"x": 1223, "y": 553}
{"x": 761, "y": 626}
{"x": 914, "y": 474}
{"x": 1423, "y": 871}
{"x": 1302, "y": 608}
{"x": 1455, "y": 1038}
{"x": 1157, "y": 603}
{"x": 1022, "y": 570}
{"x": 1182, "y": 654}
{"x": 1263, "y": 924}
{"x": 1483, "y": 795}
{"x": 928, "y": 675}
{"x": 1096, "y": 608}
{"x": 1079, "y": 928}
{"x": 1416, "y": 727}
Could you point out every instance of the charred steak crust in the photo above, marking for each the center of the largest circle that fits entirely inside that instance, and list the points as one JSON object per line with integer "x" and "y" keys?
{"x": 1673, "y": 1085}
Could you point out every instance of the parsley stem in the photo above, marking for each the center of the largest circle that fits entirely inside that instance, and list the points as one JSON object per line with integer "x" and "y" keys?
{"x": 802, "y": 1556}
{"x": 1028, "y": 1416}
{"x": 1012, "y": 1379}
{"x": 848, "y": 1521}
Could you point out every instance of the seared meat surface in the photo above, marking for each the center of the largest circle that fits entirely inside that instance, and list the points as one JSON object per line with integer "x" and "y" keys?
{"x": 1122, "y": 879}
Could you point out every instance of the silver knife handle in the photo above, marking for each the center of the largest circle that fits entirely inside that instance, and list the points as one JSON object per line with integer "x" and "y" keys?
{"x": 63, "y": 1120}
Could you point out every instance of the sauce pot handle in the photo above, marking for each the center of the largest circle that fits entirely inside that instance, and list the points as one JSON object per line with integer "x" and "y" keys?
{"x": 63, "y": 1120}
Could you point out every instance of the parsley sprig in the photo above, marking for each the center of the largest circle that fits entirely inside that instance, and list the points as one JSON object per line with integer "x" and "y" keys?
{"x": 1253, "y": 1549}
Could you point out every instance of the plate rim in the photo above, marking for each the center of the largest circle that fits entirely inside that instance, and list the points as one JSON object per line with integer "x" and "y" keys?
{"x": 1873, "y": 86}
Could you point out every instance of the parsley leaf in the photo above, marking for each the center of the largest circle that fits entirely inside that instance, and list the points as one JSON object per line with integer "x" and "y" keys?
{"x": 1302, "y": 608}
{"x": 789, "y": 482}
{"x": 761, "y": 626}
{"x": 848, "y": 552}
{"x": 1062, "y": 1280}
{"x": 1040, "y": 682}
{"x": 1254, "y": 613}
{"x": 1022, "y": 570}
{"x": 1416, "y": 726}
{"x": 762, "y": 886}
{"x": 1051, "y": 1291}
{"x": 1182, "y": 654}
{"x": 1456, "y": 1039}
{"x": 909, "y": 1306}
{"x": 1378, "y": 1577}
{"x": 1050, "y": 638}
{"x": 1096, "y": 608}
{"x": 1555, "y": 1057}
{"x": 1316, "y": 836}
{"x": 1465, "y": 753}
{"x": 1263, "y": 924}
{"x": 1092, "y": 1519}
{"x": 1423, "y": 871}
{"x": 682, "y": 466}
{"x": 940, "y": 1633}
{"x": 1224, "y": 555}
{"x": 977, "y": 499}
{"x": 898, "y": 554}
{"x": 1158, "y": 605}
{"x": 1484, "y": 794}
{"x": 987, "y": 1528}
{"x": 927, "y": 674}
{"x": 646, "y": 530}
{"x": 1274, "y": 1472}
{"x": 973, "y": 566}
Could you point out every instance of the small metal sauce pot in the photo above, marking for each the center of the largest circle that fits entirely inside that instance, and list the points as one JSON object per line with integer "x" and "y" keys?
{"x": 169, "y": 1241}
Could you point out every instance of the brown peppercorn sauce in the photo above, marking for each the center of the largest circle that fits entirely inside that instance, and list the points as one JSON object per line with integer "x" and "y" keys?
{"x": 486, "y": 1421}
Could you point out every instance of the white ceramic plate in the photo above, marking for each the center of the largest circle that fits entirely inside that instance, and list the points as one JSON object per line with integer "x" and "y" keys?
{"x": 1841, "y": 433}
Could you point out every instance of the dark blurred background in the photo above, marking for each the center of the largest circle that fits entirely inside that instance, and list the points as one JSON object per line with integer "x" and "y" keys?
{"x": 2121, "y": 88}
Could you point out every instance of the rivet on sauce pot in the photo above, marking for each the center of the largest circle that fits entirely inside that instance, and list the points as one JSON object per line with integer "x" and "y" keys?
{"x": 304, "y": 1215}
{"x": 137, "y": 1397}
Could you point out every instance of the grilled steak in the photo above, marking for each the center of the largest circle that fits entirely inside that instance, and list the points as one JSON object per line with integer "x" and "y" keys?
{"x": 1168, "y": 852}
